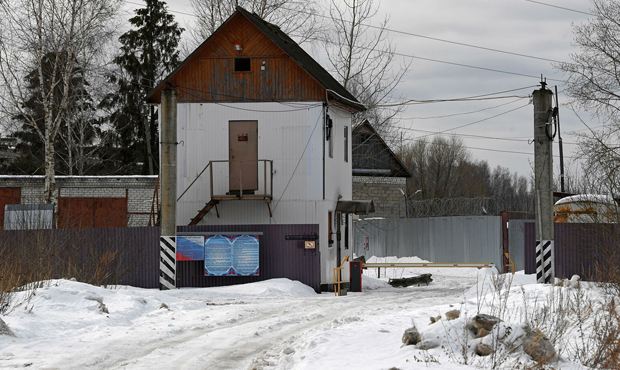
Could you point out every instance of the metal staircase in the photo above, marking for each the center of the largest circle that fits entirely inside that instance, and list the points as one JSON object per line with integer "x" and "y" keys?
{"x": 203, "y": 212}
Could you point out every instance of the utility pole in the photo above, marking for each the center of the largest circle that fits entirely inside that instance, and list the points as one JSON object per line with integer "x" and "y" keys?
{"x": 168, "y": 181}
{"x": 543, "y": 175}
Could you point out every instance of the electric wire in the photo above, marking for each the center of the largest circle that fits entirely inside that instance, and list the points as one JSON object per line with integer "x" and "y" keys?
{"x": 464, "y": 65}
{"x": 477, "y": 121}
{"x": 560, "y": 7}
{"x": 456, "y": 114}
{"x": 514, "y": 139}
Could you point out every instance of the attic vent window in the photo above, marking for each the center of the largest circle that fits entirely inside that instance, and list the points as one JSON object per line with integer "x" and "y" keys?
{"x": 242, "y": 64}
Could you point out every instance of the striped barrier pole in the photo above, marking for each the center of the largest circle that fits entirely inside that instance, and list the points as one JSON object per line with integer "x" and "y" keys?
{"x": 544, "y": 261}
{"x": 167, "y": 262}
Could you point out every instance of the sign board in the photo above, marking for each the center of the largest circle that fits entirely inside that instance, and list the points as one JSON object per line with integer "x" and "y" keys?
{"x": 310, "y": 244}
{"x": 231, "y": 255}
{"x": 222, "y": 255}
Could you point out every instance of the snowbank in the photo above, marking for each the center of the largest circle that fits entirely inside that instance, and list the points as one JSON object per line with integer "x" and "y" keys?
{"x": 371, "y": 283}
{"x": 273, "y": 288}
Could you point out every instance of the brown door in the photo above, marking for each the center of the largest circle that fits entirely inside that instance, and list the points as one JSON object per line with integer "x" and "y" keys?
{"x": 8, "y": 196}
{"x": 243, "y": 156}
{"x": 84, "y": 213}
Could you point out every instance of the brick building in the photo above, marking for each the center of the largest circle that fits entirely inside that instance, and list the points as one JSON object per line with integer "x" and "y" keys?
{"x": 87, "y": 201}
{"x": 378, "y": 174}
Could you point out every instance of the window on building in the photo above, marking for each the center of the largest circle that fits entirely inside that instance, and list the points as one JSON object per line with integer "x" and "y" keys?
{"x": 346, "y": 143}
{"x": 242, "y": 65}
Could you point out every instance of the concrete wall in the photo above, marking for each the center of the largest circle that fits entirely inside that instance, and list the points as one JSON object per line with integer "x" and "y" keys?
{"x": 384, "y": 191}
{"x": 138, "y": 189}
{"x": 437, "y": 239}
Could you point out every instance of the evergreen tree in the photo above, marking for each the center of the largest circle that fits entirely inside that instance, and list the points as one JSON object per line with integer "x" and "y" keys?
{"x": 149, "y": 51}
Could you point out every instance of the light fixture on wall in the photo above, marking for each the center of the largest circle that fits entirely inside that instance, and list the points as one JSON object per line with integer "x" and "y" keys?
{"x": 238, "y": 47}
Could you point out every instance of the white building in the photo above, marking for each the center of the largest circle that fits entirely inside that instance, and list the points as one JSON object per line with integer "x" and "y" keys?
{"x": 264, "y": 144}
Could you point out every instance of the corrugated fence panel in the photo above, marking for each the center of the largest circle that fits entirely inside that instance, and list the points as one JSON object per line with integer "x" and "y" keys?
{"x": 278, "y": 258}
{"x": 516, "y": 241}
{"x": 437, "y": 239}
{"x": 578, "y": 247}
{"x": 130, "y": 255}
{"x": 529, "y": 248}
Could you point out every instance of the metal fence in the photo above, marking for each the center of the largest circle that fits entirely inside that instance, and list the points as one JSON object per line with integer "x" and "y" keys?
{"x": 437, "y": 239}
{"x": 127, "y": 256}
{"x": 579, "y": 247}
{"x": 516, "y": 242}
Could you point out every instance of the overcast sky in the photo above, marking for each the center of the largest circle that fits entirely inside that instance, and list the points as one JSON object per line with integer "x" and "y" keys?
{"x": 512, "y": 25}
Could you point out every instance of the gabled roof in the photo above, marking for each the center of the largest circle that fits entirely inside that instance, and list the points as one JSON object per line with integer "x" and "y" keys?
{"x": 293, "y": 50}
{"x": 372, "y": 156}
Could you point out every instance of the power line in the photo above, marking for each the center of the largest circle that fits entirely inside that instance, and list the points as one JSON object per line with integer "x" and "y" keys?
{"x": 487, "y": 96}
{"x": 483, "y": 149}
{"x": 478, "y": 121}
{"x": 560, "y": 7}
{"x": 463, "y": 65}
{"x": 514, "y": 139}
{"x": 457, "y": 114}
{"x": 407, "y": 33}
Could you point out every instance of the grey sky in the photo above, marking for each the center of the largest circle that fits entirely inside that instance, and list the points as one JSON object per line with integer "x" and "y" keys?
{"x": 513, "y": 25}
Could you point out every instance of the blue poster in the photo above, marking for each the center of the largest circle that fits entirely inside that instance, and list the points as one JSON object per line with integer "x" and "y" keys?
{"x": 231, "y": 256}
{"x": 218, "y": 256}
{"x": 190, "y": 248}
{"x": 245, "y": 255}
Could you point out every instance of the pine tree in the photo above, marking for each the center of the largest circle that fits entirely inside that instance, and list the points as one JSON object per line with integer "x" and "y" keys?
{"x": 148, "y": 52}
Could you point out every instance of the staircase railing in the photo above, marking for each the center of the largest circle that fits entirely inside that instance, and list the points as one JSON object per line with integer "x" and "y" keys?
{"x": 196, "y": 179}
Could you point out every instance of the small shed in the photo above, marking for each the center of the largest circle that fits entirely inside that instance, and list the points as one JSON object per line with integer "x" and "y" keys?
{"x": 378, "y": 173}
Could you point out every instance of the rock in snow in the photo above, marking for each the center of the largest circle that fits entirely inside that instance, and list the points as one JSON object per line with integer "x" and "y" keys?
{"x": 483, "y": 349}
{"x": 482, "y": 324}
{"x": 4, "y": 329}
{"x": 538, "y": 346}
{"x": 453, "y": 314}
{"x": 411, "y": 336}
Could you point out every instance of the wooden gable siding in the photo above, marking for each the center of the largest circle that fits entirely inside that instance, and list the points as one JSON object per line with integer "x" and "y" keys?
{"x": 210, "y": 76}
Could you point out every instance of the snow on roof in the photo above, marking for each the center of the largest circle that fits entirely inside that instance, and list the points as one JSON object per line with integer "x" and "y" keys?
{"x": 593, "y": 198}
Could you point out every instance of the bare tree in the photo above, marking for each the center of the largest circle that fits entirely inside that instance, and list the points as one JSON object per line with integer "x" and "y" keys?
{"x": 295, "y": 17}
{"x": 594, "y": 84}
{"x": 363, "y": 59}
{"x": 51, "y": 37}
{"x": 450, "y": 182}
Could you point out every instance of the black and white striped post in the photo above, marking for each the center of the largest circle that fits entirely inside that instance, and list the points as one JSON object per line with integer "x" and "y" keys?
{"x": 544, "y": 261}
{"x": 167, "y": 262}
{"x": 543, "y": 186}
{"x": 168, "y": 182}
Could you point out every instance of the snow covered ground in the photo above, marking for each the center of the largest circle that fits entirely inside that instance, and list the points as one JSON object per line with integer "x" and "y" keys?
{"x": 275, "y": 324}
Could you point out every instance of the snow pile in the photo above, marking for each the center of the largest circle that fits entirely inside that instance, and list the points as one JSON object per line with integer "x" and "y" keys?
{"x": 371, "y": 283}
{"x": 273, "y": 288}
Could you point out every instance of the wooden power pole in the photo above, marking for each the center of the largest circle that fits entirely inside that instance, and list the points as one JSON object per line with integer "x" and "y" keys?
{"x": 543, "y": 182}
